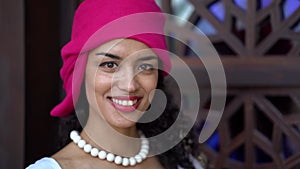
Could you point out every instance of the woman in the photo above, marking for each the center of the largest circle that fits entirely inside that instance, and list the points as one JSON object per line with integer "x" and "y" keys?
{"x": 113, "y": 67}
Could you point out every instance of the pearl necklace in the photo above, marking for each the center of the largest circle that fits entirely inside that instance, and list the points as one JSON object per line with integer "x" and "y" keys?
{"x": 110, "y": 157}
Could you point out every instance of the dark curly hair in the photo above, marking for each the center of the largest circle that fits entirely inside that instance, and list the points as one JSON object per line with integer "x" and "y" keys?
{"x": 180, "y": 154}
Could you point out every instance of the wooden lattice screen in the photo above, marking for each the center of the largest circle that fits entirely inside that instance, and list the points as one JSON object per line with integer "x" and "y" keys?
{"x": 259, "y": 45}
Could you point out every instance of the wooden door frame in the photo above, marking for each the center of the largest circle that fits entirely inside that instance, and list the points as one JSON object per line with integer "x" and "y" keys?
{"x": 12, "y": 88}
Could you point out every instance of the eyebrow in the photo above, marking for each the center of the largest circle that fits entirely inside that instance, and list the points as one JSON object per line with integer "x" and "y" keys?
{"x": 147, "y": 58}
{"x": 110, "y": 55}
{"x": 120, "y": 58}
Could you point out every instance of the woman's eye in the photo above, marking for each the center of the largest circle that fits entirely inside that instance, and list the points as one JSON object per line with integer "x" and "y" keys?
{"x": 109, "y": 66}
{"x": 146, "y": 67}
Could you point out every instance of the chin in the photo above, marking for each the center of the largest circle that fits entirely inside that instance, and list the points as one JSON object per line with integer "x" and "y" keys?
{"x": 124, "y": 124}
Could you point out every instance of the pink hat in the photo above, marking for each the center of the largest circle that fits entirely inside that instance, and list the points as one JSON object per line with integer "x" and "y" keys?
{"x": 98, "y": 21}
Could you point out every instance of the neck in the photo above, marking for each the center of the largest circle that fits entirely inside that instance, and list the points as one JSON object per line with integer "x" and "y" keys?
{"x": 120, "y": 141}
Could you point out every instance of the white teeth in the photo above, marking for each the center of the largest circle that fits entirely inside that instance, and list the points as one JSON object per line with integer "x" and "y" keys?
{"x": 124, "y": 102}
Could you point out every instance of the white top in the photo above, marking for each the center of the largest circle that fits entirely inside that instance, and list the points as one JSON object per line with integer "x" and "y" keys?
{"x": 45, "y": 163}
{"x": 50, "y": 163}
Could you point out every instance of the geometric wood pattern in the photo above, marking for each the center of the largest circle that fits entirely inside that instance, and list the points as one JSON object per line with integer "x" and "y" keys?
{"x": 259, "y": 129}
{"x": 259, "y": 44}
{"x": 248, "y": 28}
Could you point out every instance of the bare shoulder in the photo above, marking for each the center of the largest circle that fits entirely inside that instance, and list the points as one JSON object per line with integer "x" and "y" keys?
{"x": 65, "y": 152}
{"x": 67, "y": 157}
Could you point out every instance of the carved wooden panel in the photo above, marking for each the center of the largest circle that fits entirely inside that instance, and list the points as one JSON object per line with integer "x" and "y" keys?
{"x": 259, "y": 44}
{"x": 245, "y": 28}
{"x": 259, "y": 129}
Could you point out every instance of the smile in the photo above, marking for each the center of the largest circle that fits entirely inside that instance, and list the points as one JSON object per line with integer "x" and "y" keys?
{"x": 124, "y": 102}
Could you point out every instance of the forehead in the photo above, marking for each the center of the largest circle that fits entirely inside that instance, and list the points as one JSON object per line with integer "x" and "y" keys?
{"x": 124, "y": 47}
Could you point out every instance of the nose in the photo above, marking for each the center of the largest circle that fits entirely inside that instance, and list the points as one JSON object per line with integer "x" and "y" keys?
{"x": 128, "y": 81}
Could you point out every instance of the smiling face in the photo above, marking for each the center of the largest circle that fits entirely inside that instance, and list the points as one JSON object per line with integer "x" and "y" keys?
{"x": 120, "y": 78}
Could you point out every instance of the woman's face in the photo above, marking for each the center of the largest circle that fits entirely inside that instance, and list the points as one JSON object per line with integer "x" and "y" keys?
{"x": 121, "y": 76}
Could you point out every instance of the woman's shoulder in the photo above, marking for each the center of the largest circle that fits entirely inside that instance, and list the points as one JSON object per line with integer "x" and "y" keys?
{"x": 45, "y": 163}
{"x": 59, "y": 160}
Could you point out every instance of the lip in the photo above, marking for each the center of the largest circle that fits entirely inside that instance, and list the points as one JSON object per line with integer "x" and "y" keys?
{"x": 135, "y": 100}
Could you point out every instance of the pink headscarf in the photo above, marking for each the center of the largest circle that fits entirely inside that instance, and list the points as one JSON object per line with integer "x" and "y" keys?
{"x": 98, "y": 21}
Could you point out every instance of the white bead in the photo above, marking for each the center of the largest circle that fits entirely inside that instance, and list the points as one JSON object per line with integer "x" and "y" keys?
{"x": 146, "y": 151}
{"x": 145, "y": 141}
{"x": 118, "y": 160}
{"x": 87, "y": 148}
{"x": 81, "y": 143}
{"x": 77, "y": 139}
{"x": 94, "y": 152}
{"x": 110, "y": 157}
{"x": 125, "y": 162}
{"x": 145, "y": 146}
{"x": 138, "y": 158}
{"x": 73, "y": 134}
{"x": 143, "y": 155}
{"x": 132, "y": 161}
{"x": 102, "y": 155}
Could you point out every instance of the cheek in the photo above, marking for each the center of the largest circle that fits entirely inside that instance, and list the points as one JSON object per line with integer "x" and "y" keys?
{"x": 96, "y": 87}
{"x": 149, "y": 84}
{"x": 102, "y": 84}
